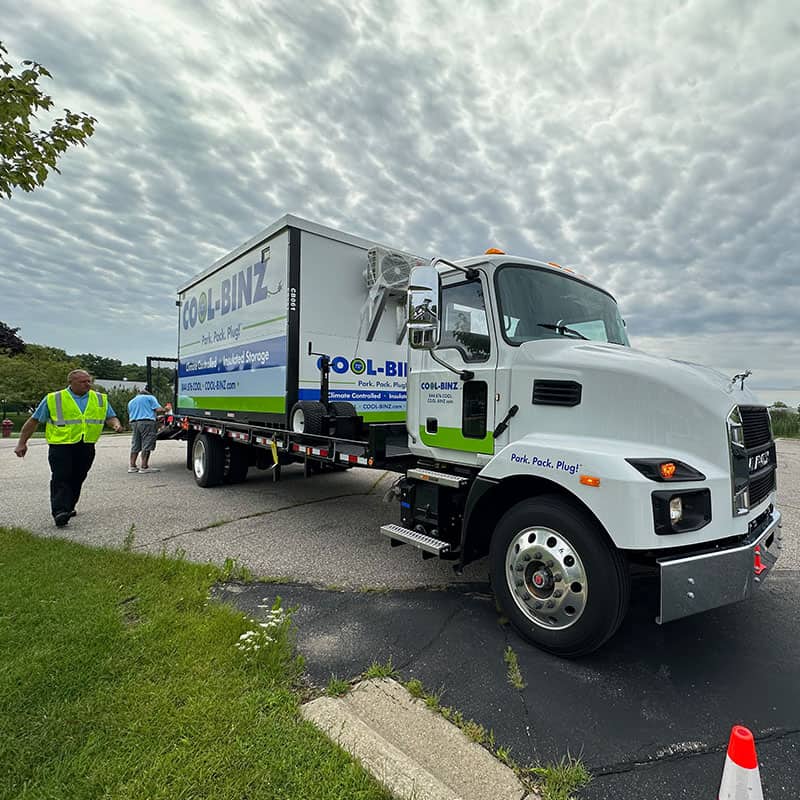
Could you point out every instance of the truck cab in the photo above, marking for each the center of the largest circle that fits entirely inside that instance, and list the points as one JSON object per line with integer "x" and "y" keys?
{"x": 549, "y": 444}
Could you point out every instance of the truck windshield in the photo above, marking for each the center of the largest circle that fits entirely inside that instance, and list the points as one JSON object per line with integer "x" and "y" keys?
{"x": 538, "y": 303}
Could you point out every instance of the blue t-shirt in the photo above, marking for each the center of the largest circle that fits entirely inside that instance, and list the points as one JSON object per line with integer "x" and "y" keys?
{"x": 143, "y": 406}
{"x": 42, "y": 414}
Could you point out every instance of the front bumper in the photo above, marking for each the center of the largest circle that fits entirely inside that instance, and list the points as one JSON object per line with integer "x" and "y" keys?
{"x": 692, "y": 584}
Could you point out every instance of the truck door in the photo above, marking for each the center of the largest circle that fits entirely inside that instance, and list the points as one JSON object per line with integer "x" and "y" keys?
{"x": 452, "y": 414}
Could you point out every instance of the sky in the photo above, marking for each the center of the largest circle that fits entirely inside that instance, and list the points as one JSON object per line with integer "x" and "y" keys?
{"x": 653, "y": 146}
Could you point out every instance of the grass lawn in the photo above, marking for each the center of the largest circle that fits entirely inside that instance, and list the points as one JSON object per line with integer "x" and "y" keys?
{"x": 119, "y": 679}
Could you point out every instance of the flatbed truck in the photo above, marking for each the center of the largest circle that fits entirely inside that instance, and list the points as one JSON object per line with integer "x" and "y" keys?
{"x": 505, "y": 394}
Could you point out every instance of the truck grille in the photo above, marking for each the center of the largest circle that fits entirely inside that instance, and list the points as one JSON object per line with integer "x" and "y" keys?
{"x": 755, "y": 421}
{"x": 754, "y": 466}
{"x": 760, "y": 487}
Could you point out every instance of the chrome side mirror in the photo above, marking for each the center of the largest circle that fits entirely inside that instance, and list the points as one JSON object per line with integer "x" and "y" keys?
{"x": 424, "y": 302}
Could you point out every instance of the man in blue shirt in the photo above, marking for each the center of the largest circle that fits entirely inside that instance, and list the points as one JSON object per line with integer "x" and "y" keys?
{"x": 71, "y": 436}
{"x": 142, "y": 411}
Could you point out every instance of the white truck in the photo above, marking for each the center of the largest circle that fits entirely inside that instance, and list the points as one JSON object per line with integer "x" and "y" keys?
{"x": 504, "y": 392}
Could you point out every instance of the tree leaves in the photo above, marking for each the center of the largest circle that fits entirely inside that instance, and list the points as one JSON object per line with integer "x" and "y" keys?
{"x": 10, "y": 343}
{"x": 27, "y": 157}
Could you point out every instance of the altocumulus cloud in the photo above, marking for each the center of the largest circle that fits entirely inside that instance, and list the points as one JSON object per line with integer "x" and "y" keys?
{"x": 652, "y": 146}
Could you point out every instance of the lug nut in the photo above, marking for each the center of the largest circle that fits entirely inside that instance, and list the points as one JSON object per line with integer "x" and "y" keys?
{"x": 537, "y": 555}
{"x": 551, "y": 604}
{"x": 527, "y": 557}
{"x": 539, "y": 604}
{"x": 557, "y": 577}
{"x": 519, "y": 582}
{"x": 549, "y": 563}
{"x": 557, "y": 593}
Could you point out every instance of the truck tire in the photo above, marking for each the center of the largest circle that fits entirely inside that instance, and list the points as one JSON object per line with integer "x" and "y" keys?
{"x": 556, "y": 576}
{"x": 208, "y": 460}
{"x": 306, "y": 417}
{"x": 238, "y": 464}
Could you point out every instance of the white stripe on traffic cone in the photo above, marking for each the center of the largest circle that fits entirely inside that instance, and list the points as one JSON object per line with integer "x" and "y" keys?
{"x": 740, "y": 777}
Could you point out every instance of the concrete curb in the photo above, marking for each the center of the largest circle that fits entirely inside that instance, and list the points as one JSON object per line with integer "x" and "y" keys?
{"x": 413, "y": 751}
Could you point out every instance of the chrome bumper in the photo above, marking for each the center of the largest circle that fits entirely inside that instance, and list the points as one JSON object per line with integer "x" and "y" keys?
{"x": 692, "y": 584}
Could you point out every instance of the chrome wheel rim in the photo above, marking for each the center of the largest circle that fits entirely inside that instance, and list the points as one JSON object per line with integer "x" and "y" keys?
{"x": 546, "y": 578}
{"x": 199, "y": 458}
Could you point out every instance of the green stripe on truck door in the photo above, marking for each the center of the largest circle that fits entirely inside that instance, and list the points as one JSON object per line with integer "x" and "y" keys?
{"x": 454, "y": 439}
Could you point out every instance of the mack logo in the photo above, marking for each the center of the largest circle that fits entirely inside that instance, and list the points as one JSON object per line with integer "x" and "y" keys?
{"x": 759, "y": 461}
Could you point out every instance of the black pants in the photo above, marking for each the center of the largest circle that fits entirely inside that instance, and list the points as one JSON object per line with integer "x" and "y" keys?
{"x": 69, "y": 466}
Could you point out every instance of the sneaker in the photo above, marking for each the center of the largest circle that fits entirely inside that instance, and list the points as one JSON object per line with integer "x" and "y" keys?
{"x": 150, "y": 469}
{"x": 62, "y": 519}
{"x": 133, "y": 469}
{"x": 73, "y": 513}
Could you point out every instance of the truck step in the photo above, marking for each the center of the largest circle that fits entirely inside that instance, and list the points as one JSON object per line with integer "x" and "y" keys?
{"x": 397, "y": 533}
{"x": 442, "y": 478}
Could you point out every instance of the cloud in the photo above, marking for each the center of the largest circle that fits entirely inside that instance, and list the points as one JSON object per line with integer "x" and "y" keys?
{"x": 654, "y": 148}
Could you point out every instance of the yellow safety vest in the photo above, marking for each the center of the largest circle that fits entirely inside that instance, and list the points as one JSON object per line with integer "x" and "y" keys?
{"x": 67, "y": 425}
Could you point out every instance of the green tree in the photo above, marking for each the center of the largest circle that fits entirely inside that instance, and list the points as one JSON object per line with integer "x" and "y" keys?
{"x": 29, "y": 376}
{"x": 26, "y": 156}
{"x": 10, "y": 343}
{"x": 100, "y": 366}
{"x": 163, "y": 384}
{"x": 119, "y": 399}
{"x": 133, "y": 372}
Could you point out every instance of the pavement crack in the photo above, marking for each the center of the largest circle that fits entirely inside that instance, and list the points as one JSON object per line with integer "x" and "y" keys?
{"x": 520, "y": 693}
{"x": 222, "y": 522}
{"x": 683, "y": 751}
{"x": 433, "y": 638}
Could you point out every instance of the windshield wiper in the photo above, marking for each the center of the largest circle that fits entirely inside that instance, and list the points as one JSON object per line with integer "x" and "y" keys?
{"x": 563, "y": 330}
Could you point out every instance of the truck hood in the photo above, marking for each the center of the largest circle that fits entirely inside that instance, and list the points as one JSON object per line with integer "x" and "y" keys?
{"x": 626, "y": 394}
{"x": 696, "y": 381}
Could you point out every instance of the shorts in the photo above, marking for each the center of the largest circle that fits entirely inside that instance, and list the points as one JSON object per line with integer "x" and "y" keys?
{"x": 144, "y": 435}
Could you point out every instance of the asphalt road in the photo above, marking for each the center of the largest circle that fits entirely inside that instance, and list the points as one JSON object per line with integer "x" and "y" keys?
{"x": 650, "y": 713}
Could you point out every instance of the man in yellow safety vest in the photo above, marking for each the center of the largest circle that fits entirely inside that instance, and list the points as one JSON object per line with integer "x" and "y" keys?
{"x": 74, "y": 418}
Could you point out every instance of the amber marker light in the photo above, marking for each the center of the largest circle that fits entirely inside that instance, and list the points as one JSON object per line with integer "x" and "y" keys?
{"x": 589, "y": 480}
{"x": 667, "y": 470}
{"x": 493, "y": 251}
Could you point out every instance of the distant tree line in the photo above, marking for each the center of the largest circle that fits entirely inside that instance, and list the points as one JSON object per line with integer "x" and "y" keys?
{"x": 30, "y": 371}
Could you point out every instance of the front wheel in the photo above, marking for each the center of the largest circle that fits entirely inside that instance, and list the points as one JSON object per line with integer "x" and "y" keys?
{"x": 559, "y": 580}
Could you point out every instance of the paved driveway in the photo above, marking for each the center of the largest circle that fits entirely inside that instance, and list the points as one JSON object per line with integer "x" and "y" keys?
{"x": 322, "y": 530}
{"x": 650, "y": 713}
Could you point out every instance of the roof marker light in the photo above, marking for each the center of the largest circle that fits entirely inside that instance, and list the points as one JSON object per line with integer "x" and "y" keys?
{"x": 493, "y": 251}
{"x": 667, "y": 470}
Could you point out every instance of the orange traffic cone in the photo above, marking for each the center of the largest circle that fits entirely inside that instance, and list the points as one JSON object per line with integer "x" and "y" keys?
{"x": 740, "y": 778}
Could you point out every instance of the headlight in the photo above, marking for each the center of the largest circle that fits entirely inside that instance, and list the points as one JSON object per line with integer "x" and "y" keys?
{"x": 681, "y": 511}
